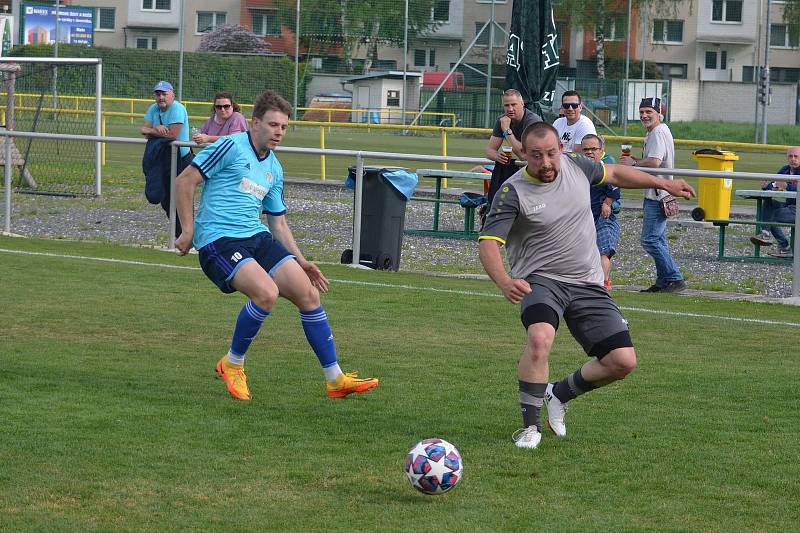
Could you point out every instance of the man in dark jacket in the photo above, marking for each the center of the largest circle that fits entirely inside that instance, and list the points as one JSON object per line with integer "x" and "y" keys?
{"x": 165, "y": 121}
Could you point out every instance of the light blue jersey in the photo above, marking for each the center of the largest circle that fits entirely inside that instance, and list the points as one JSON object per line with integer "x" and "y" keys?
{"x": 238, "y": 186}
{"x": 174, "y": 114}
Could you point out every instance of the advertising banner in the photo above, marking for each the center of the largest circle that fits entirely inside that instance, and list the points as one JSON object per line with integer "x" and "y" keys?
{"x": 38, "y": 24}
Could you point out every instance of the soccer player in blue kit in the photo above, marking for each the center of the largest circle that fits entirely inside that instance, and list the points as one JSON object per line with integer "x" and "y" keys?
{"x": 241, "y": 178}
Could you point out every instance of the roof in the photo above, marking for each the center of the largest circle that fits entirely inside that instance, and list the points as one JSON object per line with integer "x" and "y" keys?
{"x": 389, "y": 74}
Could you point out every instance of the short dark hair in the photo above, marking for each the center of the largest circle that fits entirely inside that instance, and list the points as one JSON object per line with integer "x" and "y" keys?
{"x": 538, "y": 130}
{"x": 593, "y": 136}
{"x": 513, "y": 92}
{"x": 270, "y": 101}
{"x": 571, "y": 93}
{"x": 225, "y": 95}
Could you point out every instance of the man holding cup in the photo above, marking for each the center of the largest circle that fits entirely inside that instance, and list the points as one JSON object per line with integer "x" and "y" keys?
{"x": 658, "y": 152}
{"x": 508, "y": 128}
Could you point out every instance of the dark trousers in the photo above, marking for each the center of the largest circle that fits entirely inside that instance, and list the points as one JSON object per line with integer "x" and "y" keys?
{"x": 182, "y": 164}
{"x": 500, "y": 173}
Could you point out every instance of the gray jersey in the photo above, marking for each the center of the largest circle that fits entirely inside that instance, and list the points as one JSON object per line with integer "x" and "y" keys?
{"x": 548, "y": 228}
{"x": 659, "y": 144}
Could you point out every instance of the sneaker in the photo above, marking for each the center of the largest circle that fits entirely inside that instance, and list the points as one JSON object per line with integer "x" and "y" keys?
{"x": 555, "y": 412}
{"x": 782, "y": 252}
{"x": 234, "y": 378}
{"x": 528, "y": 437}
{"x": 652, "y": 288}
{"x": 762, "y": 239}
{"x": 349, "y": 383}
{"x": 674, "y": 286}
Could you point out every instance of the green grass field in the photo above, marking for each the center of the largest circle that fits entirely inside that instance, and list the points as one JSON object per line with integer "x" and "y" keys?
{"x": 113, "y": 419}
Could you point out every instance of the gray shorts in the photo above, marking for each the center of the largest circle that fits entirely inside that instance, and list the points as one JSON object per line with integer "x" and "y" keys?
{"x": 591, "y": 315}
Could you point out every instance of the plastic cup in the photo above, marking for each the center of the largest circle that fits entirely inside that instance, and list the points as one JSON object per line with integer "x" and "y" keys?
{"x": 626, "y": 149}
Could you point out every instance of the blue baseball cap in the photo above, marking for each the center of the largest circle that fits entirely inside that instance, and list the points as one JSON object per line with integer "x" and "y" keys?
{"x": 163, "y": 86}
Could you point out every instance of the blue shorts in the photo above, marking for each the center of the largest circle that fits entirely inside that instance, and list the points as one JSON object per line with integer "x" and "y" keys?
{"x": 222, "y": 259}
{"x": 608, "y": 234}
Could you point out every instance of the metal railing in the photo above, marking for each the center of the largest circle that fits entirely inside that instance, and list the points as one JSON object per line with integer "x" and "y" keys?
{"x": 361, "y": 157}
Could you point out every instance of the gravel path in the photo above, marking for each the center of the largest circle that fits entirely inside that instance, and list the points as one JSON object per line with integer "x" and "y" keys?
{"x": 321, "y": 217}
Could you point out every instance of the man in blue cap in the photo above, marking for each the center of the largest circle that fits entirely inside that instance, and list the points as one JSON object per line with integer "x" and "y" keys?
{"x": 165, "y": 121}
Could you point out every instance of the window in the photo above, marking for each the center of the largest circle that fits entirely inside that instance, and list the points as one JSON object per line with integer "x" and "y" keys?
{"x": 673, "y": 70}
{"x": 432, "y": 57}
{"x": 726, "y": 11}
{"x": 209, "y": 20}
{"x": 419, "y": 58}
{"x": 500, "y": 37}
{"x": 723, "y": 60}
{"x": 441, "y": 11}
{"x": 668, "y": 31}
{"x": 711, "y": 60}
{"x": 392, "y": 98}
{"x": 105, "y": 19}
{"x": 147, "y": 42}
{"x": 783, "y": 36}
{"x": 266, "y": 22}
{"x": 616, "y": 28}
{"x": 156, "y": 5}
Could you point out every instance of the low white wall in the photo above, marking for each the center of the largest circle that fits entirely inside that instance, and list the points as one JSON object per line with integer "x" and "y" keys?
{"x": 722, "y": 101}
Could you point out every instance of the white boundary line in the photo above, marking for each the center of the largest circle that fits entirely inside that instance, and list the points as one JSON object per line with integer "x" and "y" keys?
{"x": 406, "y": 287}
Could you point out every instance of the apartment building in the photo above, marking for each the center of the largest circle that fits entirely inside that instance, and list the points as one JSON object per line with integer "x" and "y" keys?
{"x": 722, "y": 40}
{"x": 152, "y": 24}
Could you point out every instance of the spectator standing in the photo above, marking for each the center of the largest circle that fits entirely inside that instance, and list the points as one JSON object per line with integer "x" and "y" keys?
{"x": 658, "y": 152}
{"x": 508, "y": 128}
{"x": 573, "y": 126}
{"x": 774, "y": 210}
{"x": 165, "y": 121}
{"x": 605, "y": 200}
{"x": 225, "y": 119}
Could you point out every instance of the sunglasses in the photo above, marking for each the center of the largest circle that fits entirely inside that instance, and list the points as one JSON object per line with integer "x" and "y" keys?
{"x": 222, "y": 106}
{"x": 571, "y": 105}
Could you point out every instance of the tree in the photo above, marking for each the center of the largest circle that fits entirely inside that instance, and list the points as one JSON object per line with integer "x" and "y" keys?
{"x": 233, "y": 38}
{"x": 604, "y": 16}
{"x": 351, "y": 24}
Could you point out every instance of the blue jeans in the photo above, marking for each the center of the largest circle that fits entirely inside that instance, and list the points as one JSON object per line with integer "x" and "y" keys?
{"x": 776, "y": 211}
{"x": 654, "y": 242}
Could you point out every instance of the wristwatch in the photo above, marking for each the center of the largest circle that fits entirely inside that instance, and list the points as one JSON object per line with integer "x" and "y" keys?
{"x": 508, "y": 133}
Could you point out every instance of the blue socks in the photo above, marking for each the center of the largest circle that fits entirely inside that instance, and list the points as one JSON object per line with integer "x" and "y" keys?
{"x": 247, "y": 325}
{"x": 319, "y": 335}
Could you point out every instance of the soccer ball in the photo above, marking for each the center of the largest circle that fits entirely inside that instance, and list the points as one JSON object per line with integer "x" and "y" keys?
{"x": 434, "y": 466}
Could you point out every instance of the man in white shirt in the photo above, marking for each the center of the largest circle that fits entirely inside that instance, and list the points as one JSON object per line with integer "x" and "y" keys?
{"x": 572, "y": 126}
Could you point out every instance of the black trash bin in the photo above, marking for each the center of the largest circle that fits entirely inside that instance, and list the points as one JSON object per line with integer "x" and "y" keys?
{"x": 383, "y": 215}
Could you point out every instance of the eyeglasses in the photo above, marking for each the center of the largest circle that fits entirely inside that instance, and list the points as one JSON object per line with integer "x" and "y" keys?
{"x": 571, "y": 105}
{"x": 590, "y": 149}
{"x": 222, "y": 106}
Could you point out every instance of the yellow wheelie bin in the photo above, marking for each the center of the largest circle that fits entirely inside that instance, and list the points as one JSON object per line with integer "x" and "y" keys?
{"x": 713, "y": 194}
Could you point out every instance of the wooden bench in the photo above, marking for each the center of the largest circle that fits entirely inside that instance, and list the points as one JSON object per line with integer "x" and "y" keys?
{"x": 468, "y": 231}
{"x": 756, "y": 257}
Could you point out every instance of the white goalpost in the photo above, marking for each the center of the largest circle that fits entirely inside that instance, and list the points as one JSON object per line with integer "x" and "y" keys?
{"x": 18, "y": 69}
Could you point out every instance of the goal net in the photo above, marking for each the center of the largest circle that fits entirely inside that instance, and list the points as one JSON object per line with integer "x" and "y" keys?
{"x": 45, "y": 96}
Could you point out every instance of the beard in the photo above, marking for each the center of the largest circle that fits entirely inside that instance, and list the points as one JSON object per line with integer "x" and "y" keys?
{"x": 547, "y": 174}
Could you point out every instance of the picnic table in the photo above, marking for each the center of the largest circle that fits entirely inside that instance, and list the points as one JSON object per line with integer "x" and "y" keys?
{"x": 758, "y": 223}
{"x": 468, "y": 231}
